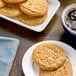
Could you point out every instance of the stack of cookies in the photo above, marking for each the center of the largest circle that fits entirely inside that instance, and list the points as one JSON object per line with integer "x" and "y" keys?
{"x": 51, "y": 60}
{"x": 31, "y": 12}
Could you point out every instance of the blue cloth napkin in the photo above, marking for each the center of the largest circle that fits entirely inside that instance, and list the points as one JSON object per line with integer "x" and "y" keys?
{"x": 8, "y": 49}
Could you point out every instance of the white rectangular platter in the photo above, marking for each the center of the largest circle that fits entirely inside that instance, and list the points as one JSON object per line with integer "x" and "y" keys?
{"x": 53, "y": 7}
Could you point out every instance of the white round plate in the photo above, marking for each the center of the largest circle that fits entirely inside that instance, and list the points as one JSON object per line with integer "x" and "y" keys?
{"x": 30, "y": 69}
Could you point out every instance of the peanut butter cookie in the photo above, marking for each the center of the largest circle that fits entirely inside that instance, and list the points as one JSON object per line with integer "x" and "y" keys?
{"x": 32, "y": 21}
{"x": 35, "y": 7}
{"x": 10, "y": 10}
{"x": 64, "y": 70}
{"x": 48, "y": 56}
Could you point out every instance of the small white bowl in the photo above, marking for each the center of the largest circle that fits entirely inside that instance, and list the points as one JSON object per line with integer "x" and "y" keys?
{"x": 66, "y": 11}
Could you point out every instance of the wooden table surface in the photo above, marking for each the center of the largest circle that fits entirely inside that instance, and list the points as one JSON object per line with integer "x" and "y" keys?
{"x": 54, "y": 31}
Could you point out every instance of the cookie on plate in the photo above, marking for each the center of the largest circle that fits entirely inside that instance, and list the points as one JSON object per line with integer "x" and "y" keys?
{"x": 10, "y": 10}
{"x": 14, "y": 1}
{"x": 48, "y": 56}
{"x": 2, "y": 3}
{"x": 34, "y": 7}
{"x": 32, "y": 21}
{"x": 64, "y": 70}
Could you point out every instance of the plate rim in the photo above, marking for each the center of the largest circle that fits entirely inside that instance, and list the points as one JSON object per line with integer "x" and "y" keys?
{"x": 53, "y": 41}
